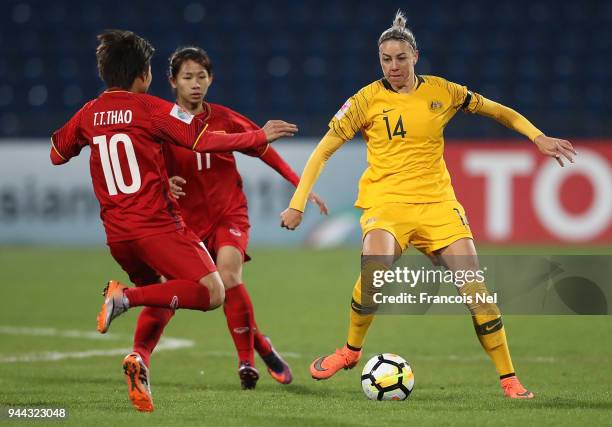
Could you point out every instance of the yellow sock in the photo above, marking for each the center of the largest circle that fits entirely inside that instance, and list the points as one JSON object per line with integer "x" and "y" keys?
{"x": 492, "y": 337}
{"x": 360, "y": 319}
{"x": 489, "y": 329}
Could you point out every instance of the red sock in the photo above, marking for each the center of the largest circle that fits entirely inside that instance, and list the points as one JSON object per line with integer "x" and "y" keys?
{"x": 240, "y": 321}
{"x": 262, "y": 346}
{"x": 172, "y": 294}
{"x": 149, "y": 327}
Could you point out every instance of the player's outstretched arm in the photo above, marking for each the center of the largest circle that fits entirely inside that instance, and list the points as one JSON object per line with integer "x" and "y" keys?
{"x": 211, "y": 142}
{"x": 292, "y": 216}
{"x": 171, "y": 123}
{"x": 553, "y": 147}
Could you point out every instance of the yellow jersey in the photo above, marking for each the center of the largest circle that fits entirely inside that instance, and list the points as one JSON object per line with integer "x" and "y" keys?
{"x": 404, "y": 135}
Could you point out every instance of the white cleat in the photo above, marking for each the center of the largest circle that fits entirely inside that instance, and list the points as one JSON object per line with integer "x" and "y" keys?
{"x": 114, "y": 305}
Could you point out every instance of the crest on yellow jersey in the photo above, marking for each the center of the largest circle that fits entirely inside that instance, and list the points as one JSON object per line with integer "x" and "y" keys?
{"x": 435, "y": 105}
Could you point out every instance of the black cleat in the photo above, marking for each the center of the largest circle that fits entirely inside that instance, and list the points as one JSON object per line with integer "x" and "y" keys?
{"x": 248, "y": 376}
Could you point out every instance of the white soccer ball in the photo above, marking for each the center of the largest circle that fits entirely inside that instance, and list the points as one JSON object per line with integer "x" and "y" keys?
{"x": 387, "y": 376}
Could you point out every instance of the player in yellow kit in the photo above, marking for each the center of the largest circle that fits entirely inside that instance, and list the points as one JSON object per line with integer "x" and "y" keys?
{"x": 406, "y": 193}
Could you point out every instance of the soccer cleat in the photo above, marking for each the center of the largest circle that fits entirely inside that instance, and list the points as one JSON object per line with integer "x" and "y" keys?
{"x": 139, "y": 387}
{"x": 277, "y": 367}
{"x": 514, "y": 389}
{"x": 326, "y": 366}
{"x": 114, "y": 305}
{"x": 248, "y": 376}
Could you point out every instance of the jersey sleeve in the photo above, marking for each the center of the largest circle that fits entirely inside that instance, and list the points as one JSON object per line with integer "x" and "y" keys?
{"x": 460, "y": 96}
{"x": 169, "y": 122}
{"x": 240, "y": 123}
{"x": 351, "y": 117}
{"x": 67, "y": 141}
{"x": 472, "y": 102}
{"x": 506, "y": 116}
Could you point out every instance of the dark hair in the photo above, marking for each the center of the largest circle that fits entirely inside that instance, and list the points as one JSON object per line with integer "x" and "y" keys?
{"x": 122, "y": 57}
{"x": 183, "y": 54}
{"x": 398, "y": 31}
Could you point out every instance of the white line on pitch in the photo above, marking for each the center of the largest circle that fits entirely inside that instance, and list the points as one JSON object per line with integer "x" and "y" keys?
{"x": 52, "y": 332}
{"x": 166, "y": 343}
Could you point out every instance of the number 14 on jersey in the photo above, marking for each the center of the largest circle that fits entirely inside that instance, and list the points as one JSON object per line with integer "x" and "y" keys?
{"x": 398, "y": 129}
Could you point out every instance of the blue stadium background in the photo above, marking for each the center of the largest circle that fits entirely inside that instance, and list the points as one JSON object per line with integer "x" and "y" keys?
{"x": 299, "y": 61}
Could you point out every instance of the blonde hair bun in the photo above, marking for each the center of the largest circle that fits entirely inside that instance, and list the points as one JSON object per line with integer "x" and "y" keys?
{"x": 398, "y": 31}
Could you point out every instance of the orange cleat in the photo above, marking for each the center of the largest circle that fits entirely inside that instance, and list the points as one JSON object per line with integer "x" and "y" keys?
{"x": 137, "y": 378}
{"x": 114, "y": 305}
{"x": 277, "y": 367}
{"x": 326, "y": 366}
{"x": 514, "y": 389}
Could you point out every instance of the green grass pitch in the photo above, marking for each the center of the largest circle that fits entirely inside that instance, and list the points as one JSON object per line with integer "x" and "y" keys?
{"x": 301, "y": 300}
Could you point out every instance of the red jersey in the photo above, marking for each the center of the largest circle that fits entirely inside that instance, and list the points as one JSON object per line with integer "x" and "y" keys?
{"x": 214, "y": 186}
{"x": 124, "y": 131}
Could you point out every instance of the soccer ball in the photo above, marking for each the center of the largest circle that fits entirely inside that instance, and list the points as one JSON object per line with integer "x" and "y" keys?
{"x": 387, "y": 377}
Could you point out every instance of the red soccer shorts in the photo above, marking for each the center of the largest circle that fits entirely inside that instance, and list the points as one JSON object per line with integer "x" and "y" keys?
{"x": 175, "y": 255}
{"x": 230, "y": 231}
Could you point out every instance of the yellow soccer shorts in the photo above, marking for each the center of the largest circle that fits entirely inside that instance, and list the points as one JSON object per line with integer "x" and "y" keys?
{"x": 428, "y": 226}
